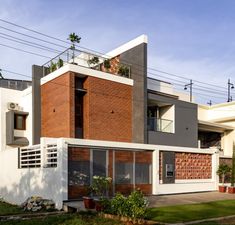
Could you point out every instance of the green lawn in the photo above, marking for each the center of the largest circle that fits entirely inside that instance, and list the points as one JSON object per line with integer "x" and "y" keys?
{"x": 183, "y": 213}
{"x": 6, "y": 209}
{"x": 69, "y": 219}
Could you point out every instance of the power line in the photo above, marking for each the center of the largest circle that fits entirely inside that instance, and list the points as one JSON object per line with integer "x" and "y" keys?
{"x": 26, "y": 35}
{"x": 48, "y": 36}
{"x": 18, "y": 49}
{"x": 87, "y": 49}
{"x": 30, "y": 42}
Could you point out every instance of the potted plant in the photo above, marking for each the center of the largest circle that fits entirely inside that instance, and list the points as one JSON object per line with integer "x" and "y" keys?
{"x": 124, "y": 71}
{"x": 107, "y": 64}
{"x": 93, "y": 61}
{"x": 60, "y": 63}
{"x": 222, "y": 171}
{"x": 100, "y": 189}
{"x": 73, "y": 39}
{"x": 231, "y": 189}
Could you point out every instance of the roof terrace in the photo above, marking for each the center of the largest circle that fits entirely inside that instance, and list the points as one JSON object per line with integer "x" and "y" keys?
{"x": 90, "y": 60}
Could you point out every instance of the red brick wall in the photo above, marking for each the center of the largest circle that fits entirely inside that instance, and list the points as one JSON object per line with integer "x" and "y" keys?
{"x": 193, "y": 166}
{"x": 190, "y": 166}
{"x": 107, "y": 110}
{"x": 57, "y": 107}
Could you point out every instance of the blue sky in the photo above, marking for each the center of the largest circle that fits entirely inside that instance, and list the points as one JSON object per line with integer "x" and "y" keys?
{"x": 193, "y": 38}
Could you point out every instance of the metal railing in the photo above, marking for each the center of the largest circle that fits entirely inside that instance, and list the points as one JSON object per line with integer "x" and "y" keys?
{"x": 158, "y": 124}
{"x": 88, "y": 60}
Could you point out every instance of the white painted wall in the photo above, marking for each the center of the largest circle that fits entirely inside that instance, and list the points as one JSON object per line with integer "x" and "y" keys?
{"x": 159, "y": 86}
{"x": 24, "y": 99}
{"x": 18, "y": 184}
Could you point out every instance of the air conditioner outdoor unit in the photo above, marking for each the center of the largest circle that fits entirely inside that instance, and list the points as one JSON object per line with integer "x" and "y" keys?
{"x": 13, "y": 106}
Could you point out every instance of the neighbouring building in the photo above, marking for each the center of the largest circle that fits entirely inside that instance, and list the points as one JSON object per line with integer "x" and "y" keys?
{"x": 89, "y": 114}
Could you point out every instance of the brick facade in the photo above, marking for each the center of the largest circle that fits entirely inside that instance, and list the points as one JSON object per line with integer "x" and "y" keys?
{"x": 83, "y": 154}
{"x": 107, "y": 110}
{"x": 190, "y": 166}
{"x": 57, "y": 107}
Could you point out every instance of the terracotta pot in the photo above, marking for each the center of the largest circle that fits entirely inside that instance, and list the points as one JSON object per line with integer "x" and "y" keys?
{"x": 98, "y": 206}
{"x": 231, "y": 190}
{"x": 222, "y": 188}
{"x": 89, "y": 202}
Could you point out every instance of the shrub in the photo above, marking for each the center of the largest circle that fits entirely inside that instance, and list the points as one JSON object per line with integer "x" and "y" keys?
{"x": 134, "y": 206}
{"x": 100, "y": 185}
{"x": 137, "y": 205}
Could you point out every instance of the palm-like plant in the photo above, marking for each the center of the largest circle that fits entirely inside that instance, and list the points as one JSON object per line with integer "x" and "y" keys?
{"x": 74, "y": 38}
{"x": 223, "y": 170}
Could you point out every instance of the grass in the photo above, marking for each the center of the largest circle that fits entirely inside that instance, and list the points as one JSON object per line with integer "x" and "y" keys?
{"x": 8, "y": 209}
{"x": 184, "y": 213}
{"x": 69, "y": 219}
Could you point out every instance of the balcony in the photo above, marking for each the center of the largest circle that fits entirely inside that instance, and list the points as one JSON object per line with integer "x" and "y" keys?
{"x": 88, "y": 60}
{"x": 158, "y": 124}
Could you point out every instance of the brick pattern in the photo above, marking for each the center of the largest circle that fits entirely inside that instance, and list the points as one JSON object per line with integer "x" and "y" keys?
{"x": 57, "y": 107}
{"x": 190, "y": 166}
{"x": 77, "y": 192}
{"x": 124, "y": 156}
{"x": 143, "y": 157}
{"x": 79, "y": 154}
{"x": 114, "y": 63}
{"x": 107, "y": 110}
{"x": 193, "y": 166}
{"x": 145, "y": 188}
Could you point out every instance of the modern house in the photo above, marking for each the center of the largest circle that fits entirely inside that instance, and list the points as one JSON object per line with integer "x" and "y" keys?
{"x": 89, "y": 114}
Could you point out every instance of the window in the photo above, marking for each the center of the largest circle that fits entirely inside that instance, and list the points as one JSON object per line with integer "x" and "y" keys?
{"x": 142, "y": 173}
{"x": 124, "y": 173}
{"x": 99, "y": 163}
{"x": 79, "y": 173}
{"x": 19, "y": 122}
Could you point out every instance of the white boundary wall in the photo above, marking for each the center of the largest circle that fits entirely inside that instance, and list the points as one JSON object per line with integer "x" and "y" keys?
{"x": 16, "y": 185}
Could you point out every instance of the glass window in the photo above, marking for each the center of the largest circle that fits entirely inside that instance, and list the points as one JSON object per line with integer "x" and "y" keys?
{"x": 79, "y": 173}
{"x": 19, "y": 122}
{"x": 99, "y": 163}
{"x": 142, "y": 173}
{"x": 124, "y": 173}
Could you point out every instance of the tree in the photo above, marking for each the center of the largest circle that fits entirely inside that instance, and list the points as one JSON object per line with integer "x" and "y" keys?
{"x": 233, "y": 168}
{"x": 222, "y": 171}
{"x": 74, "y": 38}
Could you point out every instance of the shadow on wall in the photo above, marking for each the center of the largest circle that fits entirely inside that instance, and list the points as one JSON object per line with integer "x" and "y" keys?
{"x": 18, "y": 184}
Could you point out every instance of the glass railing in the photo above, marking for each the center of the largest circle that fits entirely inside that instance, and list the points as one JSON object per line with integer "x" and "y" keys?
{"x": 89, "y": 60}
{"x": 162, "y": 125}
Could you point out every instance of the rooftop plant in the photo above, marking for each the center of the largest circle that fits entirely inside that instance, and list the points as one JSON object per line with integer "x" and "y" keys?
{"x": 74, "y": 38}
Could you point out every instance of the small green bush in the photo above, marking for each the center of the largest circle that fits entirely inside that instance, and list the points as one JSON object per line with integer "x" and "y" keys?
{"x": 134, "y": 206}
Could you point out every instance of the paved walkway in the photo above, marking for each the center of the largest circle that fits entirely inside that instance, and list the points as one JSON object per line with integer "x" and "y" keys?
{"x": 181, "y": 199}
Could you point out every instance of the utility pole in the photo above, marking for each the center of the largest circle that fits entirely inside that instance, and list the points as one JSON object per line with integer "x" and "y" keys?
{"x": 190, "y": 85}
{"x": 230, "y": 86}
{"x": 209, "y": 103}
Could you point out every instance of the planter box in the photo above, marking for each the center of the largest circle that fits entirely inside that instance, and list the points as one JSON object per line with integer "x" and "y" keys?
{"x": 89, "y": 202}
{"x": 231, "y": 190}
{"x": 222, "y": 188}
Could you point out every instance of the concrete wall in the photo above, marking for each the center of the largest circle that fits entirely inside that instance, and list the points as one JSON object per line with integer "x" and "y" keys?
{"x": 23, "y": 98}
{"x": 137, "y": 58}
{"x": 18, "y": 184}
{"x": 186, "y": 124}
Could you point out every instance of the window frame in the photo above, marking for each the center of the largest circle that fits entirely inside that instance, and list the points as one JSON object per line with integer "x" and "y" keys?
{"x": 16, "y": 127}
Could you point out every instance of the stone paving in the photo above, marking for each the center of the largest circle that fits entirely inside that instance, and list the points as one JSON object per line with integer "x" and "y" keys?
{"x": 192, "y": 198}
